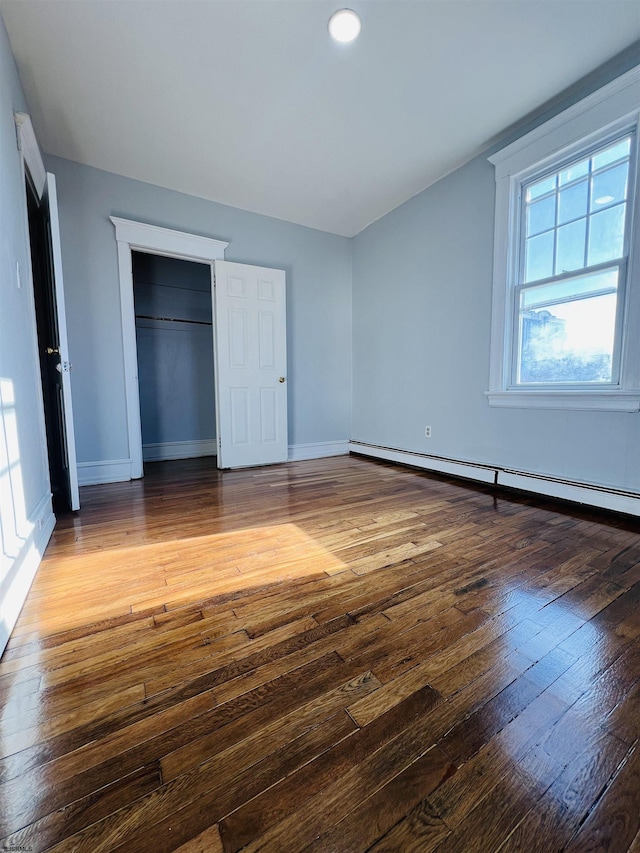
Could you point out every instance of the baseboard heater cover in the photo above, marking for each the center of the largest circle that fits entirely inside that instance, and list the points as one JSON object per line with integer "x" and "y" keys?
{"x": 442, "y": 465}
{"x": 601, "y": 497}
{"x": 596, "y": 496}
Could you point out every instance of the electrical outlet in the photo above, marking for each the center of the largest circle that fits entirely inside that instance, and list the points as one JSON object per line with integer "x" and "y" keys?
{"x": 427, "y": 432}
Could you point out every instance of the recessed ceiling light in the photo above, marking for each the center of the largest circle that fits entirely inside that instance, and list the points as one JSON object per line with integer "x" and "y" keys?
{"x": 344, "y": 26}
{"x": 604, "y": 199}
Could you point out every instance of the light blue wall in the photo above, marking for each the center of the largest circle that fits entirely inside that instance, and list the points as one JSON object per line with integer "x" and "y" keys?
{"x": 318, "y": 268}
{"x": 24, "y": 476}
{"x": 422, "y": 281}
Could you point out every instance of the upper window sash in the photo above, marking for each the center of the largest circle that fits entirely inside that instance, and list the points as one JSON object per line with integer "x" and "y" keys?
{"x": 605, "y": 115}
{"x": 581, "y": 210}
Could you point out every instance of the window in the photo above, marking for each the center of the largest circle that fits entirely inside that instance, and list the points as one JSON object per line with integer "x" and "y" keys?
{"x": 566, "y": 282}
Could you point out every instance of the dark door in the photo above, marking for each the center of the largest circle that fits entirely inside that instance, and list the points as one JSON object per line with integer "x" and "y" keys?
{"x": 51, "y": 364}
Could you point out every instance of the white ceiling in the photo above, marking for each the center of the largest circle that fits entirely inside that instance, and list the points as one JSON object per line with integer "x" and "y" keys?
{"x": 251, "y": 103}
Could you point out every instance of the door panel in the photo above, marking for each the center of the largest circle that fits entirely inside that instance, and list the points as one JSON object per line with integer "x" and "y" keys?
{"x": 250, "y": 362}
{"x": 59, "y": 355}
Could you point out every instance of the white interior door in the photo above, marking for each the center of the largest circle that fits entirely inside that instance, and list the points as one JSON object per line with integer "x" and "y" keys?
{"x": 250, "y": 343}
{"x": 63, "y": 386}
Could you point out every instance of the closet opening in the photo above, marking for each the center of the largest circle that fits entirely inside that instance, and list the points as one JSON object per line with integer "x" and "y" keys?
{"x": 174, "y": 341}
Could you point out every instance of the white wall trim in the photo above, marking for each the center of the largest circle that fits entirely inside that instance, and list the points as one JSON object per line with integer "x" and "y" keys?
{"x": 596, "y": 401}
{"x": 511, "y": 158}
{"x": 107, "y": 471}
{"x": 28, "y": 144}
{"x": 468, "y": 470}
{"x": 30, "y": 293}
{"x": 25, "y": 565}
{"x": 132, "y": 235}
{"x": 602, "y": 497}
{"x": 318, "y": 450}
{"x": 179, "y": 449}
{"x": 166, "y": 241}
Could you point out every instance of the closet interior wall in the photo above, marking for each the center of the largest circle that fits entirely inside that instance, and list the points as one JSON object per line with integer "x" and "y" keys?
{"x": 174, "y": 337}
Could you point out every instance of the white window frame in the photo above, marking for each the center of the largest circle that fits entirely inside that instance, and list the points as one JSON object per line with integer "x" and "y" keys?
{"x": 611, "y": 109}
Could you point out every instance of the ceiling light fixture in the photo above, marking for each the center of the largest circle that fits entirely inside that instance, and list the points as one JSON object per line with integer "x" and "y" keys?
{"x": 604, "y": 199}
{"x": 344, "y": 26}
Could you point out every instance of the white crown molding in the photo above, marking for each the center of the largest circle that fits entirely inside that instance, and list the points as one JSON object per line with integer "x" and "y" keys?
{"x": 28, "y": 144}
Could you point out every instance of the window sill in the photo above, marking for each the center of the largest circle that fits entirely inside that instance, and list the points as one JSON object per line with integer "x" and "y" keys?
{"x": 598, "y": 401}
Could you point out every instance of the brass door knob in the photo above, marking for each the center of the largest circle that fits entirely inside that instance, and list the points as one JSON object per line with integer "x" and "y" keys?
{"x": 282, "y": 379}
{"x": 53, "y": 351}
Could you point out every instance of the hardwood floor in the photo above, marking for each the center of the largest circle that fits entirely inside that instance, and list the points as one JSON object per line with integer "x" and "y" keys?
{"x": 328, "y": 656}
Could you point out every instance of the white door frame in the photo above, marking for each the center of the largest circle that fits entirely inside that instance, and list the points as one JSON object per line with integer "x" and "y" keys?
{"x": 139, "y": 236}
{"x": 32, "y": 163}
{"x": 44, "y": 186}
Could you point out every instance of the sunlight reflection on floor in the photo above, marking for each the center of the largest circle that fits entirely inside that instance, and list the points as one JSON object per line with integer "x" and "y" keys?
{"x": 70, "y": 591}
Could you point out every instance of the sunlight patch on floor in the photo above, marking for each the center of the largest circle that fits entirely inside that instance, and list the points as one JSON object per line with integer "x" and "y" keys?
{"x": 80, "y": 589}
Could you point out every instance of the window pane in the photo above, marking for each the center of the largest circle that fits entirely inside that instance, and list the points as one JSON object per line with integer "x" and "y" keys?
{"x": 569, "y": 342}
{"x": 609, "y": 186}
{"x": 539, "y": 257}
{"x": 573, "y": 202}
{"x": 613, "y": 153}
{"x": 541, "y": 187}
{"x": 571, "y": 242}
{"x": 576, "y": 170}
{"x": 569, "y": 288}
{"x": 606, "y": 234}
{"x": 541, "y": 215}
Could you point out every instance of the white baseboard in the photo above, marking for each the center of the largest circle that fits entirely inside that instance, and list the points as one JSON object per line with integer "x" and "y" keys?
{"x": 596, "y": 496}
{"x": 468, "y": 470}
{"x": 179, "y": 450}
{"x": 317, "y": 450}
{"x": 119, "y": 470}
{"x": 22, "y": 569}
{"x": 108, "y": 471}
{"x": 590, "y": 494}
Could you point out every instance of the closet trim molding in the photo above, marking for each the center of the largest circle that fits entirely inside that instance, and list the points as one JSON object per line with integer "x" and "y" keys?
{"x": 143, "y": 237}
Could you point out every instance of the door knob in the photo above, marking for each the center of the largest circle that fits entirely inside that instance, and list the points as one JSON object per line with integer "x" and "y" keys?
{"x": 282, "y": 379}
{"x": 53, "y": 351}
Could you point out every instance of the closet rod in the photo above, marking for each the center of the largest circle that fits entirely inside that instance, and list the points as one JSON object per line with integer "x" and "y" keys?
{"x": 207, "y": 292}
{"x": 174, "y": 320}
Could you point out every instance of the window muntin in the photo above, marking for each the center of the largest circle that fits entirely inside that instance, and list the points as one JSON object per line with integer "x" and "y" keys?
{"x": 569, "y": 293}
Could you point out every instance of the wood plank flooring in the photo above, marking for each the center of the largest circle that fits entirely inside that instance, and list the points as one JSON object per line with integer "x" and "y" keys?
{"x": 334, "y": 656}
